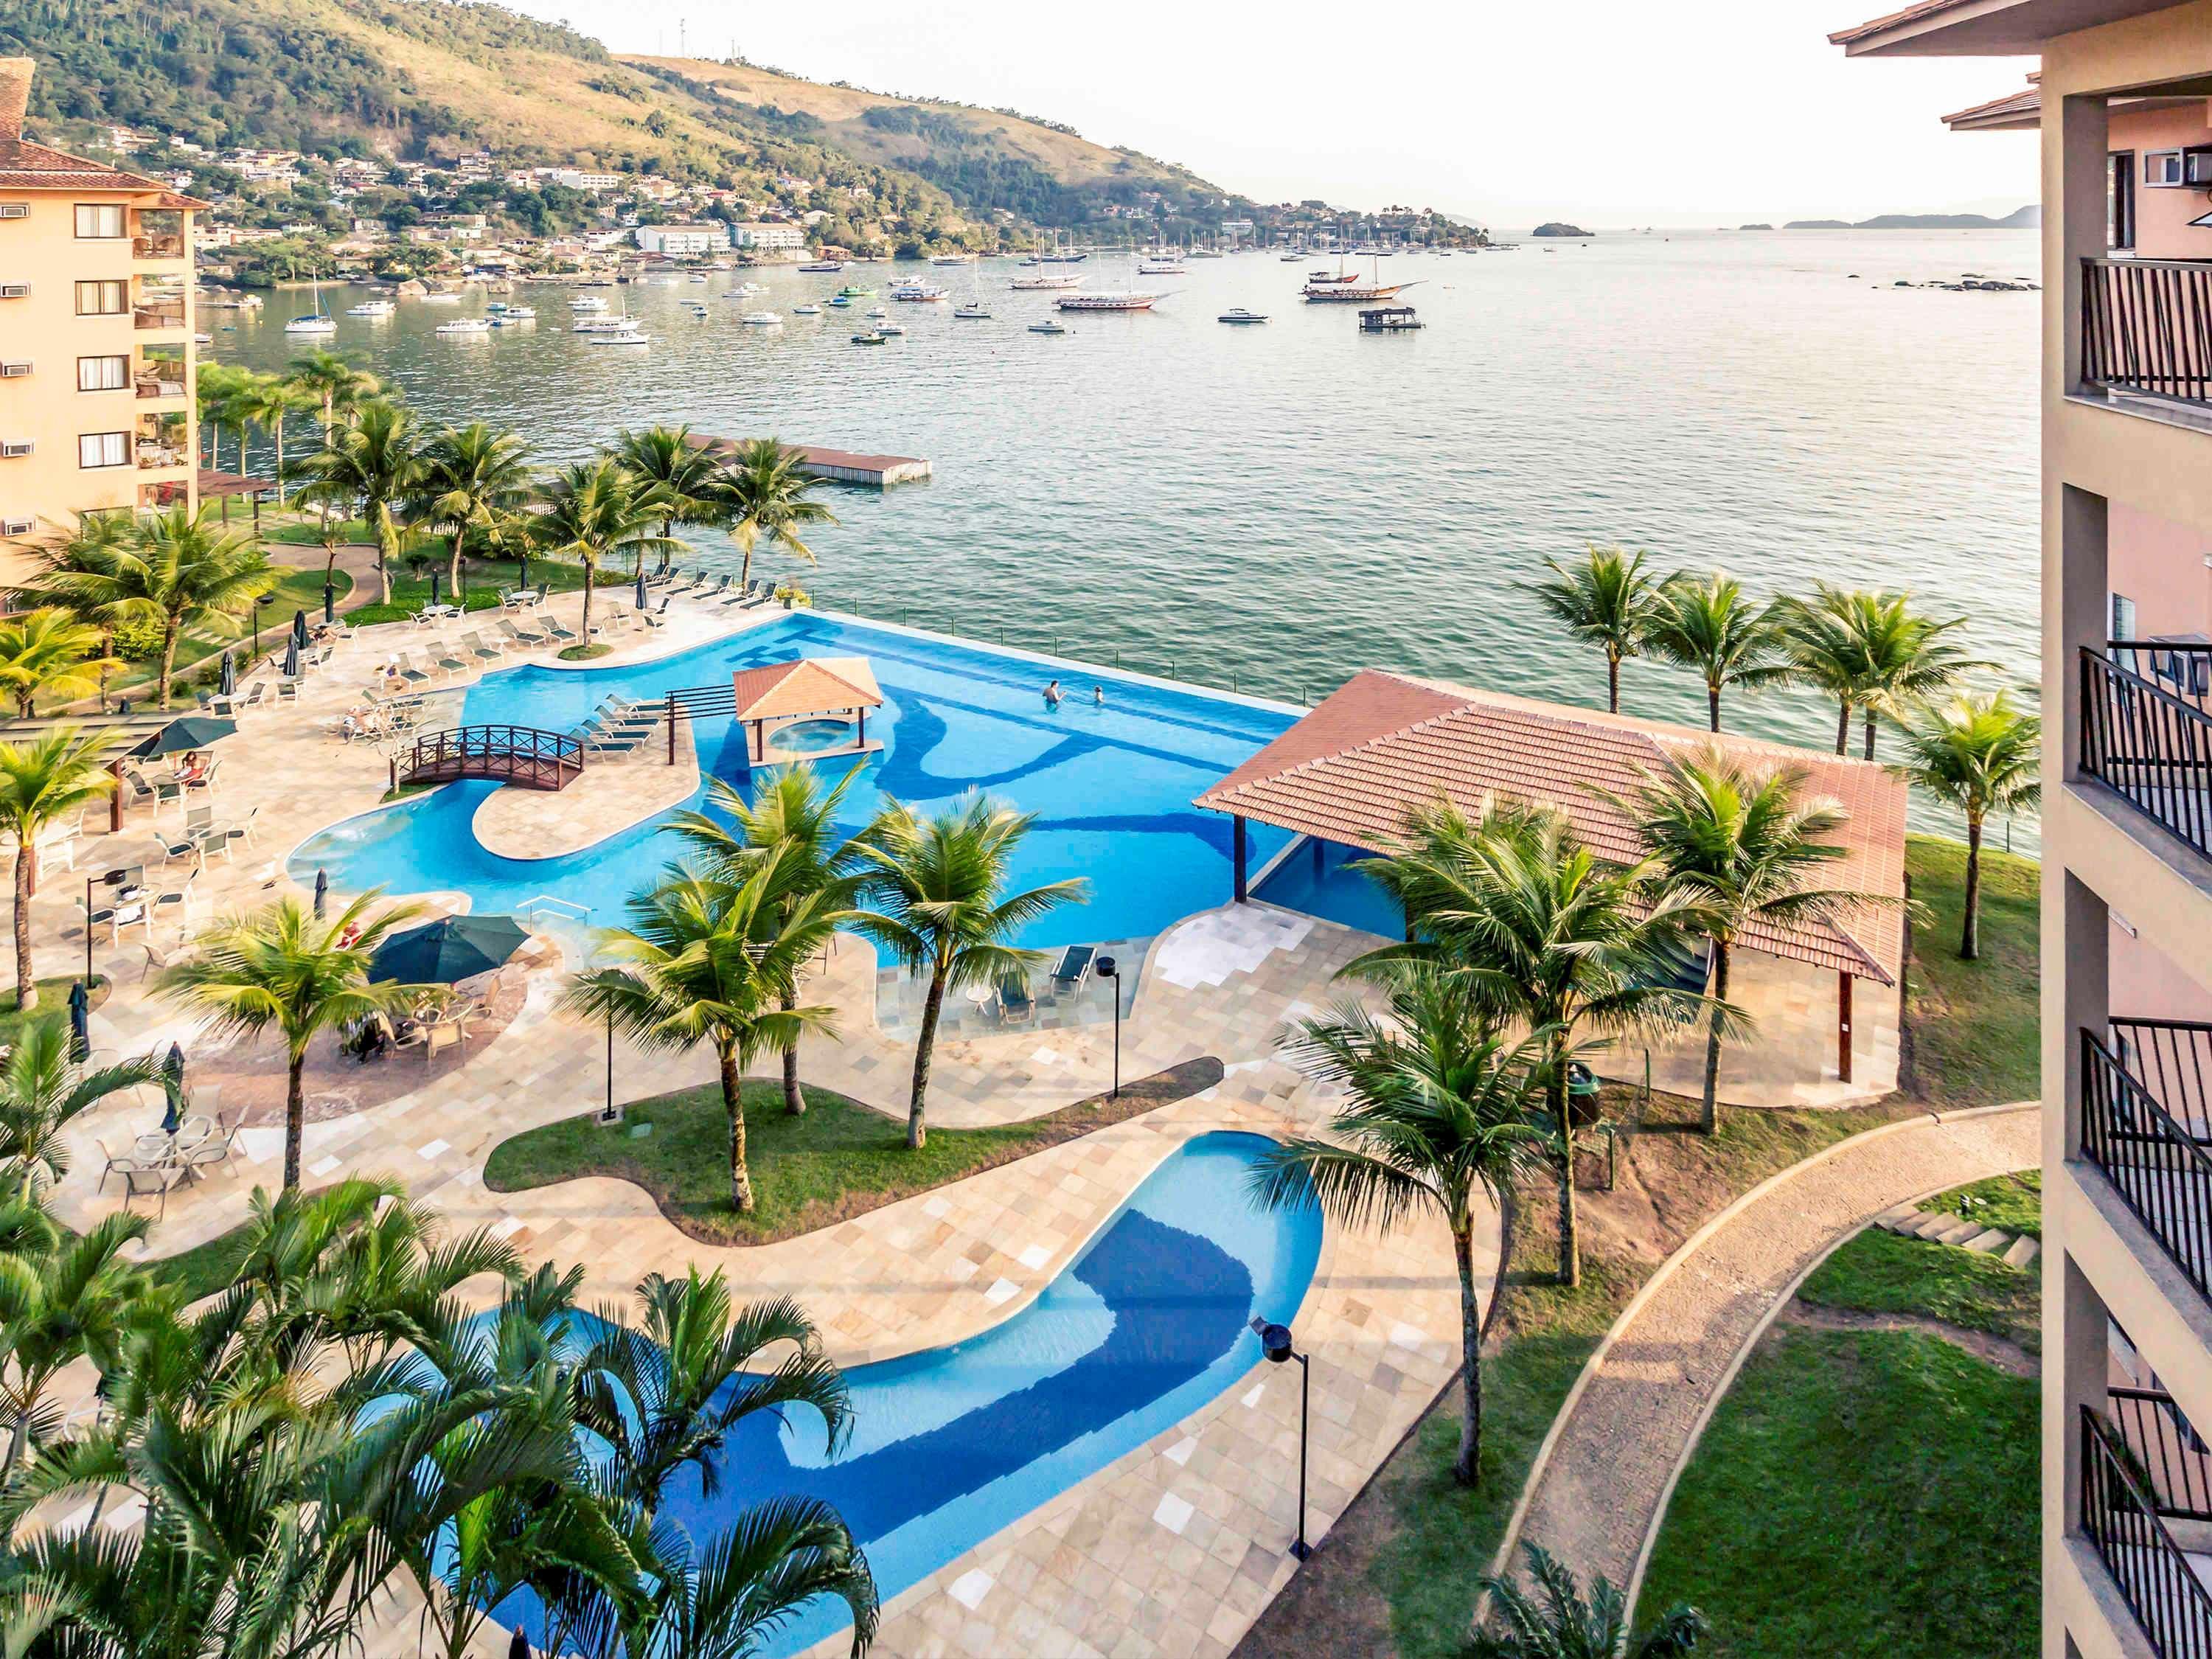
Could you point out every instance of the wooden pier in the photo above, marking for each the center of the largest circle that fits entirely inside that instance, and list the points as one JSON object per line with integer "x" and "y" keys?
{"x": 838, "y": 465}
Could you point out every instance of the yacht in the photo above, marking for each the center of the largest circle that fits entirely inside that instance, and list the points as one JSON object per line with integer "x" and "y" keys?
{"x": 371, "y": 308}
{"x": 810, "y": 309}
{"x": 1050, "y": 325}
{"x": 1292, "y": 258}
{"x": 317, "y": 321}
{"x": 516, "y": 316}
{"x": 464, "y": 325}
{"x": 1207, "y": 253}
{"x": 831, "y": 265}
{"x": 1069, "y": 258}
{"x": 890, "y": 328}
{"x": 442, "y": 298}
{"x": 971, "y": 311}
{"x": 698, "y": 277}
{"x": 952, "y": 260}
{"x": 877, "y": 312}
{"x": 1120, "y": 301}
{"x": 761, "y": 320}
{"x": 587, "y": 302}
{"x": 1241, "y": 315}
{"x": 873, "y": 336}
{"x": 625, "y": 336}
{"x": 1160, "y": 267}
{"x": 604, "y": 325}
{"x": 1033, "y": 284}
{"x": 919, "y": 291}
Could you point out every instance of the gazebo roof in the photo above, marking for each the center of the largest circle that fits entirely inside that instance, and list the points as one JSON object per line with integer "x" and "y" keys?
{"x": 1385, "y": 743}
{"x": 810, "y": 685}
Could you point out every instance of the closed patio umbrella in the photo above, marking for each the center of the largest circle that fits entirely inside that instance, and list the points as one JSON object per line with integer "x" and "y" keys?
{"x": 322, "y": 892}
{"x": 193, "y": 731}
{"x": 292, "y": 657}
{"x": 80, "y": 1008}
{"x": 443, "y": 952}
{"x": 641, "y": 590}
{"x": 229, "y": 681}
{"x": 436, "y": 578}
{"x": 300, "y": 629}
{"x": 172, "y": 1085}
{"x": 330, "y": 602}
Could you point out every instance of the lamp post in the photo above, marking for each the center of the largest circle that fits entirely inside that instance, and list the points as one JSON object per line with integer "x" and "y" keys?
{"x": 1109, "y": 971}
{"x": 1275, "y": 1343}
{"x": 258, "y": 604}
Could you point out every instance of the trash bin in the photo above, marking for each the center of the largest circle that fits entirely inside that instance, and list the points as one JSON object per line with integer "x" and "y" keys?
{"x": 1583, "y": 1087}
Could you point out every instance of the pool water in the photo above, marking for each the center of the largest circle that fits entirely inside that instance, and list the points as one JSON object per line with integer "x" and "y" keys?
{"x": 1321, "y": 879}
{"x": 811, "y": 736}
{"x": 1148, "y": 1323}
{"x": 1110, "y": 778}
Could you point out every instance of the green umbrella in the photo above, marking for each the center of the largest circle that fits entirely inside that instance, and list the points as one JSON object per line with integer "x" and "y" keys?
{"x": 193, "y": 731}
{"x": 450, "y": 948}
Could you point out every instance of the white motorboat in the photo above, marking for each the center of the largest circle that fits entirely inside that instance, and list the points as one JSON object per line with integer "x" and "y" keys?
{"x": 628, "y": 337}
{"x": 697, "y": 278}
{"x": 1160, "y": 267}
{"x": 877, "y": 312}
{"x": 1241, "y": 315}
{"x": 916, "y": 292}
{"x": 761, "y": 320}
{"x": 952, "y": 260}
{"x": 604, "y": 325}
{"x": 587, "y": 302}
{"x": 970, "y": 313}
{"x": 889, "y": 329}
{"x": 1036, "y": 284}
{"x": 464, "y": 325}
{"x": 824, "y": 265}
{"x": 442, "y": 298}
{"x": 810, "y": 309}
{"x": 1048, "y": 327}
{"x": 371, "y": 308}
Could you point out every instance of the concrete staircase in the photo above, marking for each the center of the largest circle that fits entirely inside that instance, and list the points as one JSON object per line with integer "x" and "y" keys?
{"x": 1909, "y": 1221}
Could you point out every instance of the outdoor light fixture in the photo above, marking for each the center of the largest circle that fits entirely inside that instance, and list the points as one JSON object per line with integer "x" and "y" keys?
{"x": 1275, "y": 1343}
{"x": 1108, "y": 971}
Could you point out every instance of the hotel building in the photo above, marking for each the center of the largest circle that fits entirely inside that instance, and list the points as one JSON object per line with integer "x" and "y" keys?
{"x": 96, "y": 411}
{"x": 2121, "y": 103}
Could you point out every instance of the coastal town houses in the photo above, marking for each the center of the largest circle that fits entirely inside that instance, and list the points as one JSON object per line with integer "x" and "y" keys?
{"x": 96, "y": 411}
{"x": 2121, "y": 103}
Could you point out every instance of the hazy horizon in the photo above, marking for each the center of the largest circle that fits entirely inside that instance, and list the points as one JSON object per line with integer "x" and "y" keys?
{"x": 1757, "y": 118}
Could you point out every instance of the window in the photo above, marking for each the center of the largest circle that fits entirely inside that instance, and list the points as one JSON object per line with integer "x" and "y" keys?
{"x": 104, "y": 449}
{"x": 2120, "y": 200}
{"x": 109, "y": 299}
{"x": 103, "y": 374}
{"x": 2162, "y": 169}
{"x": 103, "y": 220}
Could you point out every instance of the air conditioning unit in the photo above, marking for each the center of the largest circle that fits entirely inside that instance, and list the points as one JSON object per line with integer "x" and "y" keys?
{"x": 14, "y": 371}
{"x": 14, "y": 447}
{"x": 17, "y": 526}
{"x": 15, "y": 210}
{"x": 14, "y": 290}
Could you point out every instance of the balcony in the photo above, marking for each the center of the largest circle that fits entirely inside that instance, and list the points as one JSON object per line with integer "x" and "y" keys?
{"x": 2147, "y": 732}
{"x": 158, "y": 313}
{"x": 2144, "y": 1124}
{"x": 157, "y": 247}
{"x": 2126, "y": 1520}
{"x": 2146, "y": 332}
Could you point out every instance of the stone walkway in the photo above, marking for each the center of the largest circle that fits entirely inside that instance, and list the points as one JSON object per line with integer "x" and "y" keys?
{"x": 1601, "y": 1489}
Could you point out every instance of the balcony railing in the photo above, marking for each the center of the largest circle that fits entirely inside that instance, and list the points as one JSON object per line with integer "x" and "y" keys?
{"x": 155, "y": 385}
{"x": 155, "y": 457}
{"x": 157, "y": 247}
{"x": 2147, "y": 327}
{"x": 2123, "y": 1521}
{"x": 2147, "y": 735}
{"x": 158, "y": 314}
{"x": 2171, "y": 1460}
{"x": 2156, "y": 1160}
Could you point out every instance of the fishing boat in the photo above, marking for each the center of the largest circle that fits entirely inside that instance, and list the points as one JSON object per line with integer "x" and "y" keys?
{"x": 879, "y": 312}
{"x": 1241, "y": 315}
{"x": 873, "y": 336}
{"x": 371, "y": 308}
{"x": 761, "y": 320}
{"x": 952, "y": 259}
{"x": 1033, "y": 284}
{"x": 889, "y": 329}
{"x": 317, "y": 321}
{"x": 464, "y": 325}
{"x": 970, "y": 313}
{"x": 1105, "y": 301}
{"x": 628, "y": 336}
{"x": 839, "y": 301}
{"x": 1353, "y": 291}
{"x": 831, "y": 265}
{"x": 1048, "y": 327}
{"x": 810, "y": 309}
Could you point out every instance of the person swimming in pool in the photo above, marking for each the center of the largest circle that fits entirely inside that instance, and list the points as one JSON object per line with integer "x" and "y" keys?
{"x": 1053, "y": 695}
{"x": 1099, "y": 695}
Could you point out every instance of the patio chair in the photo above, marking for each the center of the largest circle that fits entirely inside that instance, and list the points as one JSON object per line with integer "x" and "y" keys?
{"x": 442, "y": 1034}
{"x": 288, "y": 690}
{"x": 253, "y": 694}
{"x": 113, "y": 917}
{"x": 202, "y": 1143}
{"x": 408, "y": 671}
{"x": 473, "y": 643}
{"x": 241, "y": 831}
{"x": 1073, "y": 968}
{"x": 206, "y": 780}
{"x": 157, "y": 958}
{"x": 155, "y": 792}
{"x": 139, "y": 1173}
{"x": 561, "y": 630}
{"x": 1016, "y": 1005}
{"x": 657, "y": 617}
{"x": 175, "y": 903}
{"x": 450, "y": 663}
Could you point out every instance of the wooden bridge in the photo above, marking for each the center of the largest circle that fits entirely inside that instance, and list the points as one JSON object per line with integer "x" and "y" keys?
{"x": 519, "y": 755}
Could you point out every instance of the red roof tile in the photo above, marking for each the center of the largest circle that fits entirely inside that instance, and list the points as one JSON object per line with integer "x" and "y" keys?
{"x": 810, "y": 685}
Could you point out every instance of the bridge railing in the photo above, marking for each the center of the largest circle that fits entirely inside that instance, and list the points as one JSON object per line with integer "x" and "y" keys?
{"x": 519, "y": 755}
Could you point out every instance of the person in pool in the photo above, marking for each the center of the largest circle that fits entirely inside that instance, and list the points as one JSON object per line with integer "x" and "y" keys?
{"x": 1053, "y": 695}
{"x": 1099, "y": 695}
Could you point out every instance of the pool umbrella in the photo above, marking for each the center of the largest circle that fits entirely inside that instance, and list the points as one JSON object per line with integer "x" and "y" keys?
{"x": 292, "y": 657}
{"x": 172, "y": 1085}
{"x": 522, "y": 566}
{"x": 641, "y": 590}
{"x": 322, "y": 892}
{"x": 443, "y": 952}
{"x": 436, "y": 577}
{"x": 229, "y": 681}
{"x": 80, "y": 1007}
{"x": 300, "y": 629}
{"x": 330, "y": 602}
{"x": 518, "y": 1646}
{"x": 193, "y": 731}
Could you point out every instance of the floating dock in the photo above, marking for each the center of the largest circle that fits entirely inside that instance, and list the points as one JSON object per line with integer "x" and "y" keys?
{"x": 839, "y": 465}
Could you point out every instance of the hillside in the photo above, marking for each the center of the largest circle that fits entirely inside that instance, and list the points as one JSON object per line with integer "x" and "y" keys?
{"x": 433, "y": 79}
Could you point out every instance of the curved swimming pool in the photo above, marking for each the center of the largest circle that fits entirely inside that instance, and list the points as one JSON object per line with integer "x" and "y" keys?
{"x": 1111, "y": 777}
{"x": 1148, "y": 1323}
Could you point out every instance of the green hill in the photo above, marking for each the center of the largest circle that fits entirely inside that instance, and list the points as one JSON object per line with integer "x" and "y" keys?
{"x": 432, "y": 79}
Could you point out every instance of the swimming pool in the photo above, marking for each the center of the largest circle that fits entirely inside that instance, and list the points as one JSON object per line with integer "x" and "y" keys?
{"x": 1147, "y": 1324}
{"x": 1110, "y": 780}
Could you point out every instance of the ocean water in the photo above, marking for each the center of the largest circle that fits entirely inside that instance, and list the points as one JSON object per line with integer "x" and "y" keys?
{"x": 1272, "y": 508}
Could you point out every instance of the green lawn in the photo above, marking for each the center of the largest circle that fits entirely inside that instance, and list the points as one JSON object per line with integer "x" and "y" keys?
{"x": 1869, "y": 1494}
{"x": 204, "y": 1269}
{"x": 53, "y": 998}
{"x": 2013, "y": 1202}
{"x": 1975, "y": 1025}
{"x": 839, "y": 1160}
{"x": 302, "y": 591}
{"x": 481, "y": 580}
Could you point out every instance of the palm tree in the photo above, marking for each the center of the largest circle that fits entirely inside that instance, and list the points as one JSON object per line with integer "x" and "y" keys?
{"x": 1440, "y": 1115}
{"x": 683, "y": 480}
{"x": 43, "y": 782}
{"x": 791, "y": 821}
{"x": 41, "y": 1093}
{"x": 1737, "y": 845}
{"x": 94, "y": 535}
{"x": 176, "y": 570}
{"x": 938, "y": 882}
{"x": 59, "y": 1303}
{"x": 48, "y": 652}
{"x": 267, "y": 401}
{"x": 1979, "y": 755}
{"x": 767, "y": 494}
{"x": 595, "y": 510}
{"x": 1547, "y": 936}
{"x": 1604, "y": 601}
{"x": 371, "y": 466}
{"x": 1563, "y": 1625}
{"x": 474, "y": 481}
{"x": 1870, "y": 652}
{"x": 724, "y": 1598}
{"x": 215, "y": 390}
{"x": 713, "y": 962}
{"x": 326, "y": 379}
{"x": 281, "y": 969}
{"x": 1706, "y": 624}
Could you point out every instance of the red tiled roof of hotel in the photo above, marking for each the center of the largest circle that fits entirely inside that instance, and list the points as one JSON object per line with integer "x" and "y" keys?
{"x": 1909, "y": 14}
{"x": 809, "y": 686}
{"x": 2013, "y": 103}
{"x": 1385, "y": 743}
{"x": 27, "y": 166}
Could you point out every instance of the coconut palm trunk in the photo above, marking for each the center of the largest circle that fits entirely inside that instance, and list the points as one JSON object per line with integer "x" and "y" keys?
{"x": 917, "y": 1134}
{"x": 168, "y": 659}
{"x": 1844, "y": 726}
{"x": 295, "y": 1116}
{"x": 1710, "y": 1118}
{"x": 1555, "y": 1091}
{"x": 27, "y": 988}
{"x": 733, "y": 1102}
{"x": 794, "y": 1098}
{"x": 1468, "y": 1465}
{"x": 591, "y": 572}
{"x": 1869, "y": 731}
{"x": 1713, "y": 703}
{"x": 1612, "y": 680}
{"x": 1970, "y": 928}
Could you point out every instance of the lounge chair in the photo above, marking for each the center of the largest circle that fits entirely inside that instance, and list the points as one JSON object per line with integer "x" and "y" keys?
{"x": 451, "y": 664}
{"x": 559, "y": 629}
{"x": 1016, "y": 1005}
{"x": 1073, "y": 968}
{"x": 657, "y": 617}
{"x": 715, "y": 592}
{"x": 408, "y": 671}
{"x": 527, "y": 638}
{"x": 473, "y": 643}
{"x": 612, "y": 747}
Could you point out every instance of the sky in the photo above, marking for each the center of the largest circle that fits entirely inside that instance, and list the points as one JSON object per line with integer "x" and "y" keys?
{"x": 1609, "y": 113}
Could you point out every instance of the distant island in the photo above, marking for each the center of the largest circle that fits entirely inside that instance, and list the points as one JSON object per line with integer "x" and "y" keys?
{"x": 2027, "y": 218}
{"x": 1754, "y": 226}
{"x": 1556, "y": 228}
